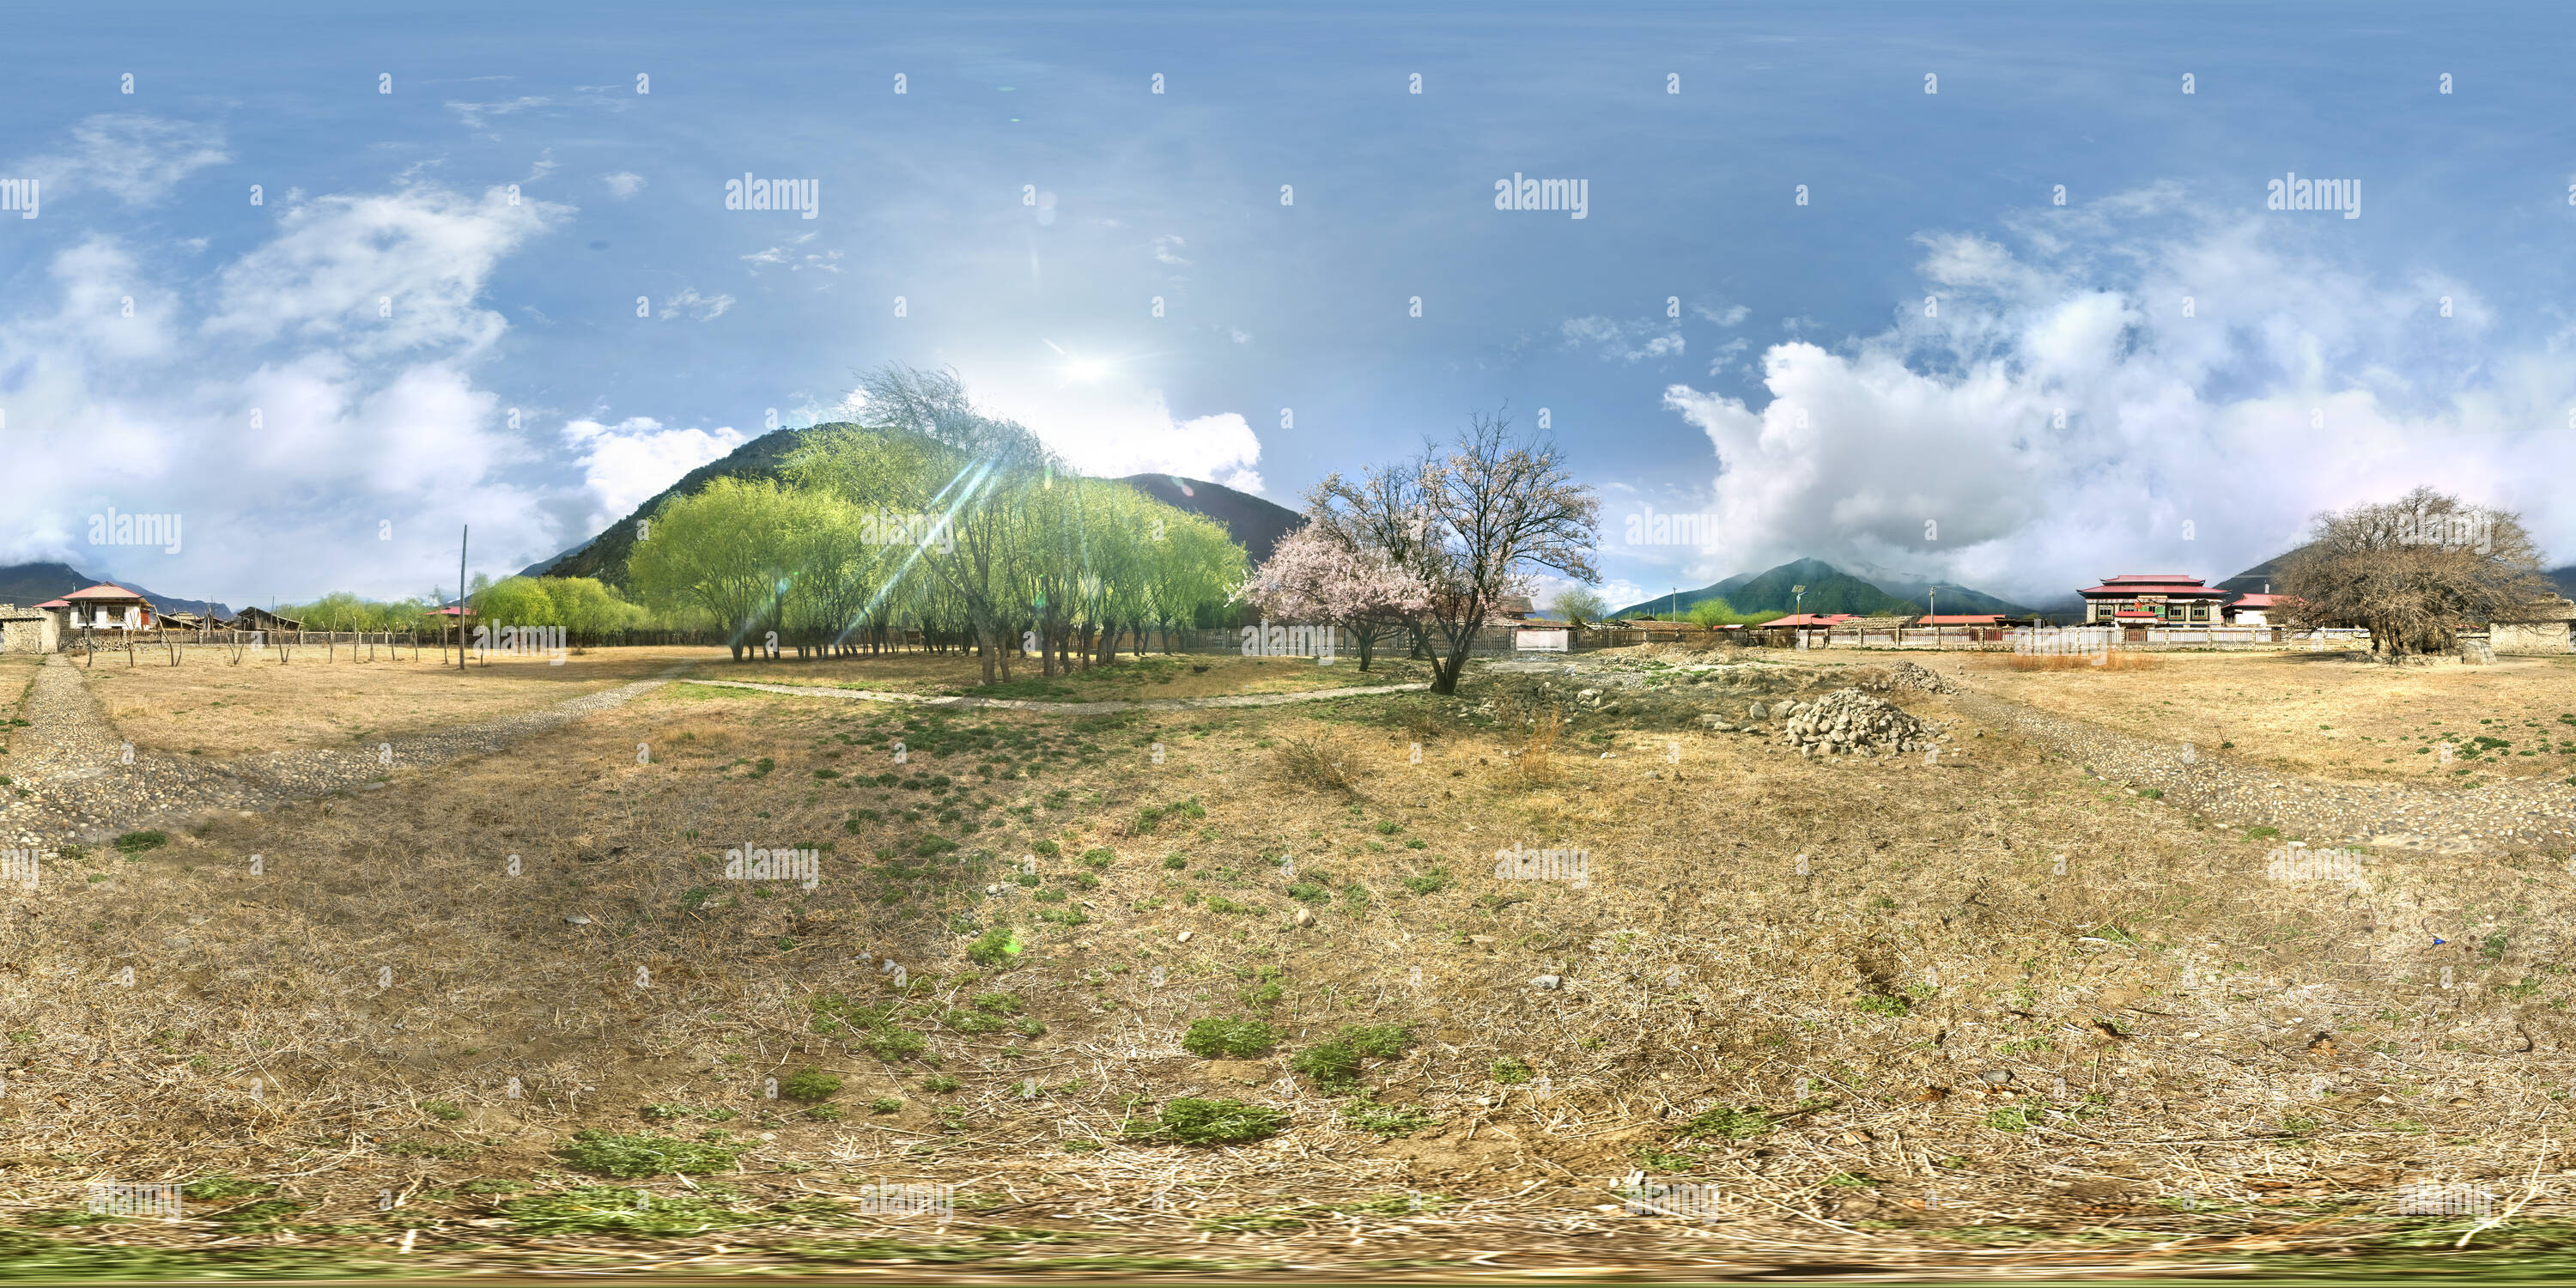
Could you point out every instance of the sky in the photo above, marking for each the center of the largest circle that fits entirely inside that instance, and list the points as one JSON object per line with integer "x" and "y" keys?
{"x": 1986, "y": 294}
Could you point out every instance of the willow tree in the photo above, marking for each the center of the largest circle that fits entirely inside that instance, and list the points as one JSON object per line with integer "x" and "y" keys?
{"x": 725, "y": 552}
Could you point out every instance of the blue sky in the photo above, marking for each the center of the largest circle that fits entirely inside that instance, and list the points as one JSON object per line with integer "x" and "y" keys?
{"x": 1874, "y": 377}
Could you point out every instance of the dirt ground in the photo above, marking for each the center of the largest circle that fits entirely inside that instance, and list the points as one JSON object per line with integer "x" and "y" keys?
{"x": 2324, "y": 715}
{"x": 209, "y": 706}
{"x": 1130, "y": 678}
{"x": 1986, "y": 1011}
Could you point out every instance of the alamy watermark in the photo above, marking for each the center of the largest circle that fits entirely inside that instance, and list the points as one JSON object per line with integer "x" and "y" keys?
{"x": 749, "y": 864}
{"x": 2296, "y": 862}
{"x": 114, "y": 1198}
{"x": 1517, "y": 193}
{"x": 2471, "y": 531}
{"x": 2294, "y": 193}
{"x": 521, "y": 641}
{"x": 908, "y": 1200}
{"x": 2437, "y": 1198}
{"x": 21, "y": 866}
{"x": 1280, "y": 640}
{"x": 19, "y": 195}
{"x": 881, "y": 528}
{"x": 1655, "y": 529}
{"x": 1683, "y": 1199}
{"x": 1518, "y": 863}
{"x": 801, "y": 195}
{"x": 114, "y": 529}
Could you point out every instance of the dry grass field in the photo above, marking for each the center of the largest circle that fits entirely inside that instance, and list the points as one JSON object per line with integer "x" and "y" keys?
{"x": 2319, "y": 714}
{"x": 1130, "y": 679}
{"x": 1983, "y": 1011}
{"x": 209, "y": 706}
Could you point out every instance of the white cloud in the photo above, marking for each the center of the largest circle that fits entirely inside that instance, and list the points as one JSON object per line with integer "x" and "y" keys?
{"x": 794, "y": 261}
{"x": 1628, "y": 341}
{"x": 137, "y": 158}
{"x": 477, "y": 115}
{"x": 623, "y": 184}
{"x": 2210, "y": 420}
{"x": 1167, "y": 249}
{"x": 1732, "y": 316}
{"x": 1114, "y": 430}
{"x": 688, "y": 303}
{"x": 626, "y": 463}
{"x": 339, "y": 264}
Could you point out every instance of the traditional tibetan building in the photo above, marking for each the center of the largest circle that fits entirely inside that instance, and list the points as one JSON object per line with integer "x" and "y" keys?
{"x": 2152, "y": 599}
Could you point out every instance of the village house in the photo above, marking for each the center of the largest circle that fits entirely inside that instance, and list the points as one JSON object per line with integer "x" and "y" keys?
{"x": 2151, "y": 599}
{"x": 103, "y": 607}
{"x": 2253, "y": 610}
{"x": 260, "y": 619}
{"x": 2547, "y": 626}
{"x": 1810, "y": 621}
{"x": 28, "y": 630}
{"x": 1962, "y": 619}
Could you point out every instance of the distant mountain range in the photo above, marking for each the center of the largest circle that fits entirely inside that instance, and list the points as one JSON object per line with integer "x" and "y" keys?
{"x": 1829, "y": 590}
{"x": 1256, "y": 524}
{"x": 30, "y": 584}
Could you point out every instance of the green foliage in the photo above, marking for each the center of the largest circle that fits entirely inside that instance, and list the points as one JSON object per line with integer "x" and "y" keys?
{"x": 138, "y": 842}
{"x": 1727, "y": 1123}
{"x": 610, "y": 1209}
{"x": 809, "y": 1084}
{"x": 1214, "y": 1038}
{"x": 995, "y": 947}
{"x": 871, "y": 1027}
{"x": 1193, "y": 1121}
{"x": 1334, "y": 1065}
{"x": 940, "y": 1083}
{"x": 1430, "y": 882}
{"x": 1511, "y": 1070}
{"x": 441, "y": 1110}
{"x": 633, "y": 1157}
{"x": 999, "y": 1003}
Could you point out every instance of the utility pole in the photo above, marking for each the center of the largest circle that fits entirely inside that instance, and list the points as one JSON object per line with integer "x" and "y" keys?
{"x": 1798, "y": 605}
{"x": 462, "y": 532}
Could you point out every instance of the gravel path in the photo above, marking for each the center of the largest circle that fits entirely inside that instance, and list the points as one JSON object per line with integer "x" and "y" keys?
{"x": 79, "y": 784}
{"x": 1070, "y": 708}
{"x": 2483, "y": 820}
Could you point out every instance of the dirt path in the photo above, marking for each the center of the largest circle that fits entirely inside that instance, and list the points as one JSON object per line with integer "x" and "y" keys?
{"x": 83, "y": 783}
{"x": 1071, "y": 708}
{"x": 2482, "y": 820}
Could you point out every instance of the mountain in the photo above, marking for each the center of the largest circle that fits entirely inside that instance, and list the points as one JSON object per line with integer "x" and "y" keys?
{"x": 29, "y": 584}
{"x": 604, "y": 556}
{"x": 1829, "y": 590}
{"x": 1257, "y": 524}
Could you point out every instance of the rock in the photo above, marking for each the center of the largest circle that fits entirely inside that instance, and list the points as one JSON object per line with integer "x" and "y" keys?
{"x": 1185, "y": 936}
{"x": 1997, "y": 1077}
{"x": 1717, "y": 723}
{"x": 576, "y": 920}
{"x": 1305, "y": 916}
{"x": 1548, "y": 982}
{"x": 1758, "y": 711}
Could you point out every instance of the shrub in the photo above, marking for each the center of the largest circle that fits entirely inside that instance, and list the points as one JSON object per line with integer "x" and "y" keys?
{"x": 1334, "y": 1065}
{"x": 1222, "y": 1038}
{"x": 1189, "y": 1120}
{"x": 1048, "y": 847}
{"x": 809, "y": 1084}
{"x": 995, "y": 947}
{"x": 999, "y": 1003}
{"x": 1175, "y": 862}
{"x": 1098, "y": 859}
{"x": 632, "y": 1157}
{"x": 1431, "y": 882}
{"x": 939, "y": 1083}
{"x": 885, "y": 1105}
{"x": 1727, "y": 1123}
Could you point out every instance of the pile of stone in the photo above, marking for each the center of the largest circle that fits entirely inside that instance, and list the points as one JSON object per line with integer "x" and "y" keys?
{"x": 1848, "y": 722}
{"x": 1906, "y": 675}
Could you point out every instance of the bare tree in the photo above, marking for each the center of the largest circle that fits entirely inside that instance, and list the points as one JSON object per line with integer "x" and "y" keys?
{"x": 2415, "y": 571}
{"x": 1473, "y": 524}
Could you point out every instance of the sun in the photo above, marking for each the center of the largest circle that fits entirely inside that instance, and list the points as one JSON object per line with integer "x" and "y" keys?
{"x": 1086, "y": 369}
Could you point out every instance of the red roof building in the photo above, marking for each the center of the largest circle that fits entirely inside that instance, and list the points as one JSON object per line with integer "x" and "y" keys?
{"x": 1809, "y": 620}
{"x": 1962, "y": 619}
{"x": 103, "y": 607}
{"x": 2151, "y": 599}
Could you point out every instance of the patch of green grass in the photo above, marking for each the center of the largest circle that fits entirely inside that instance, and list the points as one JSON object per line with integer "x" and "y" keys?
{"x": 1189, "y": 1120}
{"x": 138, "y": 842}
{"x": 810, "y": 1085}
{"x": 441, "y": 1110}
{"x": 1386, "y": 1120}
{"x": 610, "y": 1209}
{"x": 1334, "y": 1065}
{"x": 1215, "y": 1038}
{"x": 1511, "y": 1070}
{"x": 940, "y": 1083}
{"x": 995, "y": 947}
{"x": 634, "y": 1157}
{"x": 1431, "y": 882}
{"x": 1727, "y": 1123}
